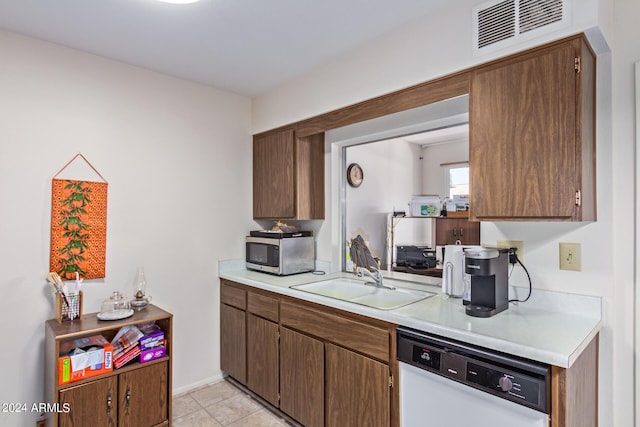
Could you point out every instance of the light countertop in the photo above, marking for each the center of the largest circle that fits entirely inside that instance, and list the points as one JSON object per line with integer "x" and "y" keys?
{"x": 551, "y": 327}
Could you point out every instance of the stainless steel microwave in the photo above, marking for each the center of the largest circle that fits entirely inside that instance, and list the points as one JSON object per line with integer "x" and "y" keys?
{"x": 280, "y": 254}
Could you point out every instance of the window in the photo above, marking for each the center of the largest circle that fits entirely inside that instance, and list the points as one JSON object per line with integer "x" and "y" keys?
{"x": 457, "y": 178}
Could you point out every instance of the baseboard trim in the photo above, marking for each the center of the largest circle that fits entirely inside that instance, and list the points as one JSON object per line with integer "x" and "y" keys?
{"x": 199, "y": 384}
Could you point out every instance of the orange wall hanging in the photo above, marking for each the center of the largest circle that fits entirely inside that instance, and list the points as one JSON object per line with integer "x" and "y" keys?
{"x": 78, "y": 226}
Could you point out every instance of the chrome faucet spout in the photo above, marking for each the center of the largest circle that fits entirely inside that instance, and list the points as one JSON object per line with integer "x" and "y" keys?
{"x": 376, "y": 275}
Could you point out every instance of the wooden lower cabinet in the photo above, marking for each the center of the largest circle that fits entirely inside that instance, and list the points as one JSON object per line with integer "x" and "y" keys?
{"x": 262, "y": 358}
{"x": 136, "y": 395}
{"x": 574, "y": 391}
{"x": 142, "y": 396}
{"x": 325, "y": 367}
{"x": 90, "y": 404}
{"x": 132, "y": 399}
{"x": 233, "y": 342}
{"x": 320, "y": 366}
{"x": 249, "y": 334}
{"x": 302, "y": 377}
{"x": 357, "y": 389}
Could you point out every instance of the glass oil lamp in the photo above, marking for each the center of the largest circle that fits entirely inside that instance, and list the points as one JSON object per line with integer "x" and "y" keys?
{"x": 140, "y": 298}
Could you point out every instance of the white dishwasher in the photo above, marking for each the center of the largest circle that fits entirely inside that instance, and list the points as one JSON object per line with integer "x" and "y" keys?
{"x": 447, "y": 383}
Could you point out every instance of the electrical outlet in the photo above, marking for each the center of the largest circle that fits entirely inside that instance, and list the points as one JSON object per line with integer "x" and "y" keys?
{"x": 518, "y": 244}
{"x": 571, "y": 256}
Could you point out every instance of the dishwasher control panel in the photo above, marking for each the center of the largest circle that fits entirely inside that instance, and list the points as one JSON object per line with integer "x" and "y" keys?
{"x": 520, "y": 380}
{"x": 426, "y": 356}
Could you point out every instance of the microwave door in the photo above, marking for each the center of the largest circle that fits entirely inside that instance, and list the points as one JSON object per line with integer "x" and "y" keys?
{"x": 258, "y": 253}
{"x": 263, "y": 256}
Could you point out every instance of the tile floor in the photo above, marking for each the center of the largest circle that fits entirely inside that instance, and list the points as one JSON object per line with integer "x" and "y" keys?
{"x": 222, "y": 404}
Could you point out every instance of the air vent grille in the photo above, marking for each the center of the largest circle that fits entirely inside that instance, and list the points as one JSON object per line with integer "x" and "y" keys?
{"x": 535, "y": 14}
{"x": 497, "y": 21}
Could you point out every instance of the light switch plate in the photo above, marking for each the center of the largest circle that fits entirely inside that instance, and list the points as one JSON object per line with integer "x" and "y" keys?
{"x": 571, "y": 256}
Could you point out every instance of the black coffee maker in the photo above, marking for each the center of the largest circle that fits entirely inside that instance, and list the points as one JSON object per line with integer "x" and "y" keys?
{"x": 488, "y": 271}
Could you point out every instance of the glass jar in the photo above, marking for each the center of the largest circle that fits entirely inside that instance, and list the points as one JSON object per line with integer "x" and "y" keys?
{"x": 114, "y": 303}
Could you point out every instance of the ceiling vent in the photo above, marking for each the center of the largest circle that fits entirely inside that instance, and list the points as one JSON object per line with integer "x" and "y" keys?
{"x": 497, "y": 24}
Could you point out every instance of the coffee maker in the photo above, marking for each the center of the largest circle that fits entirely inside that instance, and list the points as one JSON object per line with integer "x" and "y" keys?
{"x": 487, "y": 269}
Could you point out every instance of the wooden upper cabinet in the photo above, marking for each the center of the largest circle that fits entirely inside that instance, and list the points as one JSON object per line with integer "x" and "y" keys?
{"x": 532, "y": 135}
{"x": 450, "y": 231}
{"x": 288, "y": 176}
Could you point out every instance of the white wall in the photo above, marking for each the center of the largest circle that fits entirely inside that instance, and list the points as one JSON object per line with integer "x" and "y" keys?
{"x": 626, "y": 51}
{"x": 442, "y": 44}
{"x": 433, "y": 176}
{"x": 392, "y": 172}
{"x": 428, "y": 48}
{"x": 177, "y": 157}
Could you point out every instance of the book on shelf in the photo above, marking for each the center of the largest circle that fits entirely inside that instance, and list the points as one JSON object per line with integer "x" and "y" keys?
{"x": 127, "y": 357}
{"x": 122, "y": 350}
{"x": 125, "y": 338}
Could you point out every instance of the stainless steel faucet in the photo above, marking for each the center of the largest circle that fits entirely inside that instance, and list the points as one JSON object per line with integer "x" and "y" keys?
{"x": 376, "y": 275}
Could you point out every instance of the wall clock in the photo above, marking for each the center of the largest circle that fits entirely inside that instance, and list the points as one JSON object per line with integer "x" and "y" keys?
{"x": 355, "y": 176}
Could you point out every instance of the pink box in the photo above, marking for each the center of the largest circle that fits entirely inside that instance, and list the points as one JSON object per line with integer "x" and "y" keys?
{"x": 152, "y": 354}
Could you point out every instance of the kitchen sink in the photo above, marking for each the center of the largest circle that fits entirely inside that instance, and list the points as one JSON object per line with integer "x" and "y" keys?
{"x": 363, "y": 293}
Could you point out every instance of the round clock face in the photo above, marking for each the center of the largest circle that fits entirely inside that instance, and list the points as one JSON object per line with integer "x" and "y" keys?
{"x": 355, "y": 176}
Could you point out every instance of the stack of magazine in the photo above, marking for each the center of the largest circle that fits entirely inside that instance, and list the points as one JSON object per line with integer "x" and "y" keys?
{"x": 126, "y": 345}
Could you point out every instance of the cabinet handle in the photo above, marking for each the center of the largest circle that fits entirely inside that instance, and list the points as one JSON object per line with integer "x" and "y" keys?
{"x": 455, "y": 232}
{"x": 109, "y": 403}
{"x": 461, "y": 234}
{"x": 128, "y": 397}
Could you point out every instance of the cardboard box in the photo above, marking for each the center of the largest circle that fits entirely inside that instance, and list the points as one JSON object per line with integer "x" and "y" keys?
{"x": 153, "y": 336}
{"x": 97, "y": 359}
{"x": 425, "y": 206}
{"x": 152, "y": 340}
{"x": 152, "y": 354}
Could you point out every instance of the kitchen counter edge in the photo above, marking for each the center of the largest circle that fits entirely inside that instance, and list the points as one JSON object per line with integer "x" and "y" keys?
{"x": 564, "y": 358}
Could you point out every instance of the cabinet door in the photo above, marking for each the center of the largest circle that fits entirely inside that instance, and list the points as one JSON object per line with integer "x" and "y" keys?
{"x": 451, "y": 230}
{"x": 522, "y": 146}
{"x": 233, "y": 342}
{"x": 310, "y": 177}
{"x": 302, "y": 378}
{"x": 143, "y": 396}
{"x": 262, "y": 358}
{"x": 444, "y": 232}
{"x": 469, "y": 232}
{"x": 357, "y": 389}
{"x": 273, "y": 176}
{"x": 91, "y": 404}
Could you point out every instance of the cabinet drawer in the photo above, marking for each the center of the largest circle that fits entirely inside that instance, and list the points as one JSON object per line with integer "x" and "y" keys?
{"x": 233, "y": 296}
{"x": 263, "y": 306}
{"x": 363, "y": 338}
